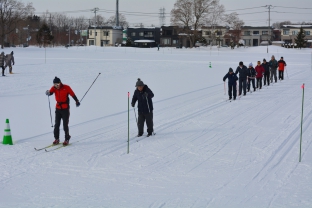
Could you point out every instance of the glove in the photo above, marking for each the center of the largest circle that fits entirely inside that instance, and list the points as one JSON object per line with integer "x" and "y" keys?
{"x": 48, "y": 93}
{"x": 77, "y": 104}
{"x": 132, "y": 105}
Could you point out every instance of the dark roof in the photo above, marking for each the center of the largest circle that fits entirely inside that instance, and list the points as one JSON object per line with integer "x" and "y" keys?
{"x": 106, "y": 27}
{"x": 256, "y": 27}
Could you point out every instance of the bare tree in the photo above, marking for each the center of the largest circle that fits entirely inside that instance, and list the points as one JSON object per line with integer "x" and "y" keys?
{"x": 192, "y": 15}
{"x": 235, "y": 24}
{"x": 122, "y": 21}
{"x": 278, "y": 25}
{"x": 100, "y": 20}
{"x": 11, "y": 13}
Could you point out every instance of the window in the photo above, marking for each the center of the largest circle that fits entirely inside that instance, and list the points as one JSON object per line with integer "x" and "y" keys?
{"x": 133, "y": 34}
{"x": 95, "y": 33}
{"x": 166, "y": 41}
{"x": 141, "y": 34}
{"x": 219, "y": 32}
{"x": 148, "y": 34}
{"x": 90, "y": 32}
{"x": 307, "y": 32}
{"x": 207, "y": 33}
{"x": 106, "y": 33}
{"x": 246, "y": 32}
{"x": 255, "y": 33}
{"x": 91, "y": 42}
{"x": 285, "y": 32}
{"x": 265, "y": 32}
{"x": 294, "y": 32}
{"x": 175, "y": 41}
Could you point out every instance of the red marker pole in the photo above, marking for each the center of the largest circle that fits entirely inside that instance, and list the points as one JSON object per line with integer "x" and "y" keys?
{"x": 301, "y": 121}
{"x": 128, "y": 122}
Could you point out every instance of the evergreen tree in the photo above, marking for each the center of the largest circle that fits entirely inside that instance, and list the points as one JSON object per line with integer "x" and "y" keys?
{"x": 44, "y": 35}
{"x": 300, "y": 41}
{"x": 129, "y": 42}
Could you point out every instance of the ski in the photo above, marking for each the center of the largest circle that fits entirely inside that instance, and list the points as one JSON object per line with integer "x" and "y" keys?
{"x": 50, "y": 150}
{"x": 52, "y": 145}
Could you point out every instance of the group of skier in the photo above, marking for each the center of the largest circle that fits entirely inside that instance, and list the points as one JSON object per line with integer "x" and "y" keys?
{"x": 142, "y": 94}
{"x": 247, "y": 76}
{"x": 6, "y": 60}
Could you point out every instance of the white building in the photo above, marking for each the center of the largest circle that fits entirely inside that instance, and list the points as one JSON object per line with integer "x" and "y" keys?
{"x": 104, "y": 36}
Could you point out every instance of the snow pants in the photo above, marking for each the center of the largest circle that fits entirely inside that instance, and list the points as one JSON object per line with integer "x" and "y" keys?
{"x": 253, "y": 83}
{"x": 266, "y": 78}
{"x": 232, "y": 88}
{"x": 259, "y": 82}
{"x": 149, "y": 123}
{"x": 242, "y": 85}
{"x": 273, "y": 73}
{"x": 61, "y": 114}
{"x": 280, "y": 74}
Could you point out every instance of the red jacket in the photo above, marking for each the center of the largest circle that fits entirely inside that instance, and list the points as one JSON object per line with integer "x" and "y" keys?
{"x": 281, "y": 65}
{"x": 260, "y": 71}
{"x": 61, "y": 96}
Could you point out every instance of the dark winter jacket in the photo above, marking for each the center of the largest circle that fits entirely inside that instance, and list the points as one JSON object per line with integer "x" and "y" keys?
{"x": 259, "y": 71}
{"x": 281, "y": 65}
{"x": 145, "y": 104}
{"x": 251, "y": 72}
{"x": 9, "y": 59}
{"x": 2, "y": 59}
{"x": 232, "y": 79}
{"x": 266, "y": 68}
{"x": 243, "y": 72}
{"x": 273, "y": 64}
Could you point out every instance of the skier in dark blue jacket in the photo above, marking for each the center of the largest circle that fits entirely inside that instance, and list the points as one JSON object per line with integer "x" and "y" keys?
{"x": 145, "y": 107}
{"x": 231, "y": 76}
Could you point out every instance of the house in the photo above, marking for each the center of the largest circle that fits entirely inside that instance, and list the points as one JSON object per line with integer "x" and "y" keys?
{"x": 144, "y": 37}
{"x": 216, "y": 35}
{"x": 253, "y": 36}
{"x": 290, "y": 32}
{"x": 104, "y": 36}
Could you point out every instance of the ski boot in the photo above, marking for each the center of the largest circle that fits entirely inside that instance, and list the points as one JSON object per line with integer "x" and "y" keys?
{"x": 56, "y": 141}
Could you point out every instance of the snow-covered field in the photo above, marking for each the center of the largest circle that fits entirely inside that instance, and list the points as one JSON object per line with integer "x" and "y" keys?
{"x": 206, "y": 153}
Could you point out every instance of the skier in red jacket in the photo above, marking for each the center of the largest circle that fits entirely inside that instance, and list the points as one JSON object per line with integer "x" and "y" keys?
{"x": 260, "y": 71}
{"x": 61, "y": 92}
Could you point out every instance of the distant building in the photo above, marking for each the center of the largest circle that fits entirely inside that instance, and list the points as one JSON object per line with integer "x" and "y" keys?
{"x": 216, "y": 35}
{"x": 253, "y": 36}
{"x": 145, "y": 37}
{"x": 290, "y": 32}
{"x": 104, "y": 36}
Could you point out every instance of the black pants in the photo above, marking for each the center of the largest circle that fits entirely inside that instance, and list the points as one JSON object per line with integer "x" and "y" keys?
{"x": 61, "y": 114}
{"x": 149, "y": 122}
{"x": 242, "y": 85}
{"x": 281, "y": 75}
{"x": 259, "y": 82}
{"x": 2, "y": 70}
{"x": 266, "y": 78}
{"x": 232, "y": 88}
{"x": 253, "y": 84}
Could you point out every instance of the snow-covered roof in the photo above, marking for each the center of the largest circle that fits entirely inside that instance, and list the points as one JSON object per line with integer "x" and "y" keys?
{"x": 278, "y": 42}
{"x": 309, "y": 41}
{"x": 297, "y": 25}
{"x": 144, "y": 41}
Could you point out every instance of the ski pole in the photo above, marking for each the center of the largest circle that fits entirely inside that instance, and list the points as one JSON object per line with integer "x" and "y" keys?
{"x": 50, "y": 111}
{"x": 224, "y": 89}
{"x": 90, "y": 87}
{"x": 149, "y": 110}
{"x": 286, "y": 72}
{"x": 135, "y": 116}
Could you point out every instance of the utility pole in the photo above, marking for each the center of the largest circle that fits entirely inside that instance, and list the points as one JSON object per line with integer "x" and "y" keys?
{"x": 69, "y": 36}
{"x": 95, "y": 10}
{"x": 269, "y": 7}
{"x": 117, "y": 13}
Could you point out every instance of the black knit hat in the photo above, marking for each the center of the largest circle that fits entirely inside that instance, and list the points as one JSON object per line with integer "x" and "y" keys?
{"x": 139, "y": 83}
{"x": 230, "y": 70}
{"x": 241, "y": 63}
{"x": 56, "y": 80}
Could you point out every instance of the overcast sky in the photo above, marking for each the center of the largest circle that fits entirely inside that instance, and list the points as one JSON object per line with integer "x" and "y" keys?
{"x": 259, "y": 16}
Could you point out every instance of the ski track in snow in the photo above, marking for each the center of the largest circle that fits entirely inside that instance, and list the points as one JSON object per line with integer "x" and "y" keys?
{"x": 207, "y": 152}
